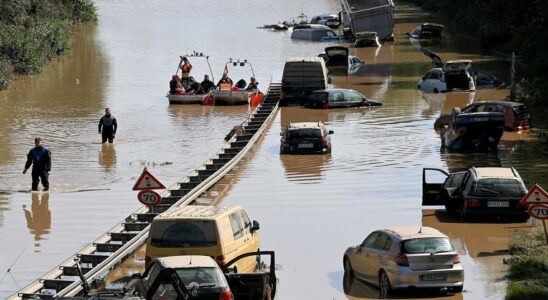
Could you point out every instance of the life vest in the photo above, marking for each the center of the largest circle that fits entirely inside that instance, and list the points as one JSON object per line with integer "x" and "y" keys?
{"x": 225, "y": 86}
{"x": 186, "y": 70}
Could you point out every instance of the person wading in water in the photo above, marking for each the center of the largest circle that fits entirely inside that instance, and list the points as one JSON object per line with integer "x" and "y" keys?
{"x": 40, "y": 159}
{"x": 109, "y": 126}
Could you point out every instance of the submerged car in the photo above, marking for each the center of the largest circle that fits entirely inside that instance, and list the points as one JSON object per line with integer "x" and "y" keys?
{"x": 516, "y": 116}
{"x": 328, "y": 20}
{"x": 475, "y": 131}
{"x": 406, "y": 257}
{"x": 338, "y": 61}
{"x": 366, "y": 39}
{"x": 201, "y": 277}
{"x": 338, "y": 98}
{"x": 305, "y": 137}
{"x": 314, "y": 32}
{"x": 477, "y": 191}
{"x": 427, "y": 31}
{"x": 453, "y": 76}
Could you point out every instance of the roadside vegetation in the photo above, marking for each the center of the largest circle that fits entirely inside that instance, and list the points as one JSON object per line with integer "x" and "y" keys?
{"x": 528, "y": 266}
{"x": 506, "y": 26}
{"x": 33, "y": 32}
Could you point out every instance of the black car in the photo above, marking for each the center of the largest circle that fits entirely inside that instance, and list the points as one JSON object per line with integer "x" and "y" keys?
{"x": 478, "y": 191}
{"x": 305, "y": 137}
{"x": 338, "y": 98}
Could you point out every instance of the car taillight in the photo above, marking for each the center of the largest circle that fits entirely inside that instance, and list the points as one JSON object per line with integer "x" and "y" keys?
{"x": 226, "y": 295}
{"x": 461, "y": 130}
{"x": 456, "y": 258}
{"x": 326, "y": 105}
{"x": 472, "y": 203}
{"x": 220, "y": 260}
{"x": 147, "y": 260}
{"x": 324, "y": 140}
{"x": 401, "y": 260}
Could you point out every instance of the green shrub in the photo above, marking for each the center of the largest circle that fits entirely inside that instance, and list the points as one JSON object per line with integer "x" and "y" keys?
{"x": 526, "y": 290}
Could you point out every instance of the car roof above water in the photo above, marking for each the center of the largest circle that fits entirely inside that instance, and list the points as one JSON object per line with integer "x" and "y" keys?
{"x": 414, "y": 232}
{"x": 187, "y": 261}
{"x": 494, "y": 172}
{"x": 196, "y": 212}
{"x": 301, "y": 125}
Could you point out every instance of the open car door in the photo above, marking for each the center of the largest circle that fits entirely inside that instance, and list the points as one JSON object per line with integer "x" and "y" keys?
{"x": 431, "y": 191}
{"x": 259, "y": 285}
{"x": 436, "y": 59}
{"x": 168, "y": 285}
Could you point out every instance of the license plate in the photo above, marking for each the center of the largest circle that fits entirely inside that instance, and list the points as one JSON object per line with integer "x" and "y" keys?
{"x": 498, "y": 204}
{"x": 434, "y": 277}
{"x": 305, "y": 146}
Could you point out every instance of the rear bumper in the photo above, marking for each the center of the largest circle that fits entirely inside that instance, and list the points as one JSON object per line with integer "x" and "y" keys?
{"x": 511, "y": 212}
{"x": 404, "y": 277}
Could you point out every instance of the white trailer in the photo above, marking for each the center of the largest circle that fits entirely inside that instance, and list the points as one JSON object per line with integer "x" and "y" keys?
{"x": 369, "y": 16}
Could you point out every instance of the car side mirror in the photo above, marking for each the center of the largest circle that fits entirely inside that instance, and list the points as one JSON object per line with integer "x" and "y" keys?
{"x": 358, "y": 249}
{"x": 137, "y": 276}
{"x": 331, "y": 132}
{"x": 255, "y": 226}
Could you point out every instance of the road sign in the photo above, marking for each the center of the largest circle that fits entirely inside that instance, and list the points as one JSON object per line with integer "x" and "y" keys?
{"x": 536, "y": 195}
{"x": 539, "y": 211}
{"x": 147, "y": 182}
{"x": 149, "y": 197}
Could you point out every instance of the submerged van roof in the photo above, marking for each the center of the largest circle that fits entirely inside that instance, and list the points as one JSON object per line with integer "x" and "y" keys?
{"x": 306, "y": 59}
{"x": 196, "y": 212}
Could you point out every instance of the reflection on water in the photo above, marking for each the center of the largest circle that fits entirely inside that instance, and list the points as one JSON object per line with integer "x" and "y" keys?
{"x": 38, "y": 217}
{"x": 107, "y": 157}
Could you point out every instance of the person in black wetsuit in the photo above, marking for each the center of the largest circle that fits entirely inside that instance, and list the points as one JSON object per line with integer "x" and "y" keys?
{"x": 40, "y": 159}
{"x": 207, "y": 84}
{"x": 194, "y": 87}
{"x": 108, "y": 126}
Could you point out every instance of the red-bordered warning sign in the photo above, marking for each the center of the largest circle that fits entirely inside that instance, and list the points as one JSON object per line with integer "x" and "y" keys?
{"x": 539, "y": 211}
{"x": 536, "y": 195}
{"x": 147, "y": 182}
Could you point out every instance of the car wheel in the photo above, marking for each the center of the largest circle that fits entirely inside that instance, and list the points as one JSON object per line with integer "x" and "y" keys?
{"x": 436, "y": 90}
{"x": 348, "y": 267}
{"x": 384, "y": 284}
{"x": 456, "y": 289}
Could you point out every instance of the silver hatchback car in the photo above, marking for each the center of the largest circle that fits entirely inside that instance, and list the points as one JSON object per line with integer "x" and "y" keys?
{"x": 405, "y": 257}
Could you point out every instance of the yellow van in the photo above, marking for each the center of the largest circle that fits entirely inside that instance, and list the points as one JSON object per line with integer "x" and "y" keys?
{"x": 222, "y": 232}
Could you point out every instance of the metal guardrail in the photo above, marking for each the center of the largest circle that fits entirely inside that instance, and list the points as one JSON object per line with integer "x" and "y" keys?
{"x": 123, "y": 239}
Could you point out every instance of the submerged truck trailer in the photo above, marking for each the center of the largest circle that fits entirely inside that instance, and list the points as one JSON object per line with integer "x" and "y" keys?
{"x": 360, "y": 16}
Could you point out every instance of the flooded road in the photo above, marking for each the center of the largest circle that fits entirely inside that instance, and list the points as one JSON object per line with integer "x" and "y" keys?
{"x": 311, "y": 208}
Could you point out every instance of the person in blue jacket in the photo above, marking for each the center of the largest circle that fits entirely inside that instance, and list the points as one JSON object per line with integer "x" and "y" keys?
{"x": 40, "y": 159}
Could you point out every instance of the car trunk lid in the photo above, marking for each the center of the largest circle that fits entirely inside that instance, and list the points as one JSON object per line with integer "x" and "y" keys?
{"x": 430, "y": 261}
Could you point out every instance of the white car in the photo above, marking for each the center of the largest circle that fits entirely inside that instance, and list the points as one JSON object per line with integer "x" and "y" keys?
{"x": 452, "y": 76}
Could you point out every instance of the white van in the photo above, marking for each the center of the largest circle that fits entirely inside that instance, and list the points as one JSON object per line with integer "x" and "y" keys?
{"x": 302, "y": 76}
{"x": 221, "y": 232}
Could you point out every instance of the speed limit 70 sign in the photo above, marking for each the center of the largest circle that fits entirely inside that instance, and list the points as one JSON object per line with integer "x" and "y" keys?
{"x": 149, "y": 197}
{"x": 539, "y": 211}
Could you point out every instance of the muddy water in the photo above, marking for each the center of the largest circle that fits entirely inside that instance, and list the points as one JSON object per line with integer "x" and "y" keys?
{"x": 310, "y": 207}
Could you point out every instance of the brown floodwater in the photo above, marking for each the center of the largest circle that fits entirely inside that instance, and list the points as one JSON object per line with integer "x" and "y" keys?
{"x": 311, "y": 208}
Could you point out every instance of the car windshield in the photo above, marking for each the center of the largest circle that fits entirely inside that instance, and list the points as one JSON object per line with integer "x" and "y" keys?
{"x": 427, "y": 245}
{"x": 202, "y": 277}
{"x": 498, "y": 186}
{"x": 306, "y": 133}
{"x": 194, "y": 233}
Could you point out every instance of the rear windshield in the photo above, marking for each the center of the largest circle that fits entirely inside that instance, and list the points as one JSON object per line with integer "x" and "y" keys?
{"x": 192, "y": 233}
{"x": 498, "y": 186}
{"x": 318, "y": 96}
{"x": 307, "y": 133}
{"x": 202, "y": 277}
{"x": 427, "y": 245}
{"x": 520, "y": 109}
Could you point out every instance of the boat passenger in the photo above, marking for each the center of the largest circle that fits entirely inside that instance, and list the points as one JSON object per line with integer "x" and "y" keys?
{"x": 175, "y": 86}
{"x": 194, "y": 87}
{"x": 225, "y": 83}
{"x": 185, "y": 68}
{"x": 241, "y": 84}
{"x": 207, "y": 84}
{"x": 252, "y": 84}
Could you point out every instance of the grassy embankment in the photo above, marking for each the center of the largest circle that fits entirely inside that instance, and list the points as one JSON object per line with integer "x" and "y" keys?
{"x": 507, "y": 26}
{"x": 528, "y": 267}
{"x": 33, "y": 32}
